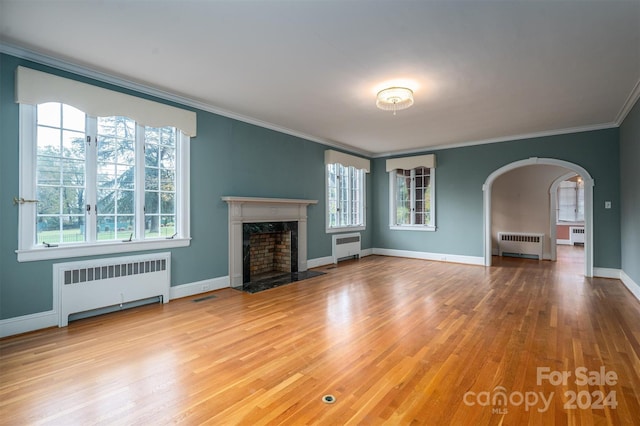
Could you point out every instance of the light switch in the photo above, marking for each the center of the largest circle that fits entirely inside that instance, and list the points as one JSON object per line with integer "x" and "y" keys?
{"x": 607, "y": 204}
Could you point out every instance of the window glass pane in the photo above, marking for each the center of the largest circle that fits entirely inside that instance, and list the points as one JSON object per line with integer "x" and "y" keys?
{"x": 49, "y": 140}
{"x": 73, "y": 118}
{"x": 116, "y": 177}
{"x": 49, "y": 114}
{"x": 403, "y": 201}
{"x": 60, "y": 174}
{"x": 160, "y": 181}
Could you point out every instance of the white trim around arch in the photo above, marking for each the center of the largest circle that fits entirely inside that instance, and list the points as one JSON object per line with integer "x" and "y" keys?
{"x": 588, "y": 204}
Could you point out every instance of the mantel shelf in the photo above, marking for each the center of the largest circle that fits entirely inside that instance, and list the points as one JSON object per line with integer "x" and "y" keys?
{"x": 259, "y": 200}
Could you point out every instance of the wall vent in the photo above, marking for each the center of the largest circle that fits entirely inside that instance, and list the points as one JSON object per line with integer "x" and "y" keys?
{"x": 100, "y": 283}
{"x": 520, "y": 244}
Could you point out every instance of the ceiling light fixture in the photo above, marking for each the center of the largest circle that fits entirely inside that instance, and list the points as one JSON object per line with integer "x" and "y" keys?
{"x": 394, "y": 99}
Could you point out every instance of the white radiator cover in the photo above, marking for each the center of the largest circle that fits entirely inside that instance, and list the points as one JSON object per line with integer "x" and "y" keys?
{"x": 346, "y": 245}
{"x": 99, "y": 283}
{"x": 520, "y": 243}
{"x": 576, "y": 234}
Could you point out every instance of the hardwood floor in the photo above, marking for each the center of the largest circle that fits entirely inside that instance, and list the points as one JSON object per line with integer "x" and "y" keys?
{"x": 396, "y": 341}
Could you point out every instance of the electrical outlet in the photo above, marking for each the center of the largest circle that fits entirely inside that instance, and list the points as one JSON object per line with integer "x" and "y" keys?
{"x": 205, "y": 287}
{"x": 607, "y": 204}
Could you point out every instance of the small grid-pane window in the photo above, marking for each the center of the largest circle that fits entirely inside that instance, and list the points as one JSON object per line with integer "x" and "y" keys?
{"x": 345, "y": 196}
{"x": 412, "y": 197}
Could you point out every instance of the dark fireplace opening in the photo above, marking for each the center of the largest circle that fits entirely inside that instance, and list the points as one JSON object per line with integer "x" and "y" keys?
{"x": 269, "y": 249}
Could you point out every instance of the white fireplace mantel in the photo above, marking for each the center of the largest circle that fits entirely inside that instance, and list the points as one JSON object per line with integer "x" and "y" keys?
{"x": 255, "y": 209}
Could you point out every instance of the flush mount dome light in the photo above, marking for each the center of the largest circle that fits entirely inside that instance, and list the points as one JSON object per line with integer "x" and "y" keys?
{"x": 394, "y": 99}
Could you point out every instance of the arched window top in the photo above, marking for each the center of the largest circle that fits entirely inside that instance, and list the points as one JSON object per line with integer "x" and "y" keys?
{"x": 36, "y": 87}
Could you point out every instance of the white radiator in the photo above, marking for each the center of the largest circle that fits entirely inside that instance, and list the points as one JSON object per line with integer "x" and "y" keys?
{"x": 99, "y": 283}
{"x": 520, "y": 244}
{"x": 576, "y": 234}
{"x": 345, "y": 245}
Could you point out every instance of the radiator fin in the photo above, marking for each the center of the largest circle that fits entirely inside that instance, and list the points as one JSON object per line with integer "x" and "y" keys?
{"x": 345, "y": 246}
{"x": 522, "y": 244}
{"x": 93, "y": 286}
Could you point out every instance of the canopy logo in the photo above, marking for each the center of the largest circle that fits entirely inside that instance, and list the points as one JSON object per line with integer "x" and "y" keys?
{"x": 500, "y": 400}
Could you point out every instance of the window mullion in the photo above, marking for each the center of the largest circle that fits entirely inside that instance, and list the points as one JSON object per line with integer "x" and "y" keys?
{"x": 91, "y": 178}
{"x": 412, "y": 196}
{"x": 139, "y": 207}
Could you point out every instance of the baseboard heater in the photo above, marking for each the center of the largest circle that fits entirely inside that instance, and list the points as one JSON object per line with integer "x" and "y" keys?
{"x": 520, "y": 244}
{"x": 576, "y": 235}
{"x": 93, "y": 287}
{"x": 346, "y": 246}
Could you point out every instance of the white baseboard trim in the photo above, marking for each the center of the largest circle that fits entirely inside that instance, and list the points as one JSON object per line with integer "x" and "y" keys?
{"x": 606, "y": 273}
{"x": 564, "y": 242}
{"x": 198, "y": 287}
{"x": 633, "y": 286}
{"x": 26, "y": 323}
{"x": 441, "y": 257}
{"x": 320, "y": 261}
{"x": 328, "y": 260}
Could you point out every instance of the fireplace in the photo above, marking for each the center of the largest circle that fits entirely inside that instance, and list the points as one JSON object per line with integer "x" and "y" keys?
{"x": 265, "y": 215}
{"x": 269, "y": 249}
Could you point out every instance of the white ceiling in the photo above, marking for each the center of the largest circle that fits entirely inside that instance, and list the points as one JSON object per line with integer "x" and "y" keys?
{"x": 481, "y": 70}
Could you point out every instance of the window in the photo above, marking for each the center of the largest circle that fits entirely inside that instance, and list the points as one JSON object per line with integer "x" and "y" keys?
{"x": 411, "y": 198}
{"x": 345, "y": 191}
{"x": 103, "y": 184}
{"x": 571, "y": 201}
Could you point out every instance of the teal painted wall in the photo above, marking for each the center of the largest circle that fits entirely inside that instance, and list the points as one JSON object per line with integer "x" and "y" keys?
{"x": 228, "y": 157}
{"x": 630, "y": 193}
{"x": 461, "y": 172}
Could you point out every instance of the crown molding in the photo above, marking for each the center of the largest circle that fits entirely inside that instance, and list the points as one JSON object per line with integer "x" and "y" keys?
{"x": 628, "y": 104}
{"x": 84, "y": 71}
{"x": 500, "y": 139}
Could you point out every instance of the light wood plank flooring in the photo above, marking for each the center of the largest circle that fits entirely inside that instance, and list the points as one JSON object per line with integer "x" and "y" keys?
{"x": 396, "y": 341}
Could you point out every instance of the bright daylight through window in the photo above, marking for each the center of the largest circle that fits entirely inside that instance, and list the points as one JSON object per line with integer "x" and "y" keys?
{"x": 345, "y": 191}
{"x": 101, "y": 183}
{"x": 412, "y": 193}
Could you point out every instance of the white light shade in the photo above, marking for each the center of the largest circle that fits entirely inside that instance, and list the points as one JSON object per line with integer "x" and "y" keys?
{"x": 394, "y": 98}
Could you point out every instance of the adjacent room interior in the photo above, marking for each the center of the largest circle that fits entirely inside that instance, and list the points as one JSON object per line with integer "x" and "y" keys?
{"x": 319, "y": 212}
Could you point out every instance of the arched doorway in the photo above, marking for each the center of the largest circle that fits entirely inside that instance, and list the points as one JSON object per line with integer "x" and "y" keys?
{"x": 588, "y": 204}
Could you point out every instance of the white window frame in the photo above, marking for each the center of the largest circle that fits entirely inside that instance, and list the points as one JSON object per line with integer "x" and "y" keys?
{"x": 363, "y": 202}
{"x": 393, "y": 225}
{"x": 27, "y": 248}
{"x": 577, "y": 187}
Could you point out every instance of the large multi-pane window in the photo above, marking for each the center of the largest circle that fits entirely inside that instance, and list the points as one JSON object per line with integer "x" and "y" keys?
{"x": 345, "y": 196}
{"x": 109, "y": 177}
{"x": 79, "y": 178}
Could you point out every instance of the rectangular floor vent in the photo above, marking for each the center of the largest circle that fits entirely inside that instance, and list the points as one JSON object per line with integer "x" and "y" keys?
{"x": 100, "y": 283}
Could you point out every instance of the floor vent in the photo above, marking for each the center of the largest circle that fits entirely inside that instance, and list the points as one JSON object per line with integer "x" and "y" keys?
{"x": 520, "y": 244}
{"x": 346, "y": 246}
{"x": 92, "y": 285}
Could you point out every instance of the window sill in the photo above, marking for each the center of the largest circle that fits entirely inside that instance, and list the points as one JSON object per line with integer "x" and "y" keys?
{"x": 412, "y": 228}
{"x": 346, "y": 229}
{"x": 81, "y": 250}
